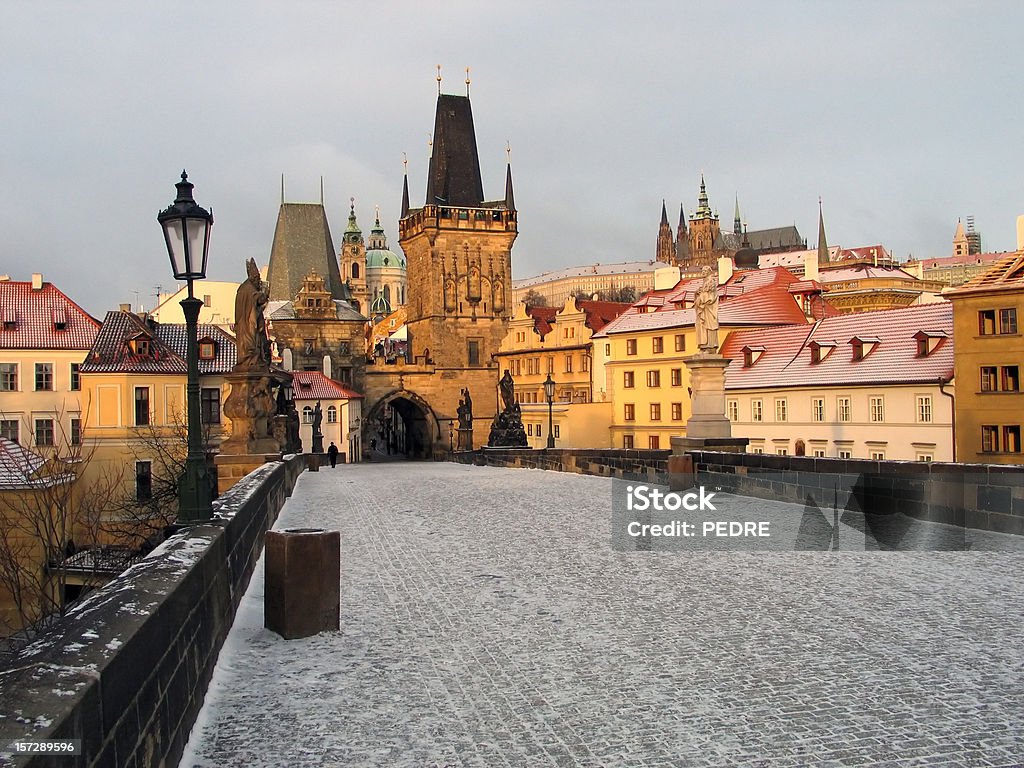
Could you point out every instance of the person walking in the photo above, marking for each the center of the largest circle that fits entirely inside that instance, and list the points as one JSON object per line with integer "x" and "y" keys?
{"x": 332, "y": 454}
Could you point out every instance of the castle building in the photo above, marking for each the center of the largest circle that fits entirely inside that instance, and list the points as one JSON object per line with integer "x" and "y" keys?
{"x": 556, "y": 286}
{"x": 459, "y": 254}
{"x": 702, "y": 241}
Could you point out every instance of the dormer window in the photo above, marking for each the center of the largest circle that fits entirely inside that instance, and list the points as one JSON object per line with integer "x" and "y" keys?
{"x": 821, "y": 350}
{"x": 60, "y": 319}
{"x": 751, "y": 355}
{"x": 863, "y": 346}
{"x": 207, "y": 349}
{"x": 10, "y": 319}
{"x": 141, "y": 346}
{"x": 929, "y": 341}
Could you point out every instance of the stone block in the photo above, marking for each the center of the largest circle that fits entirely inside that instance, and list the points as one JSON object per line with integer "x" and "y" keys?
{"x": 303, "y": 589}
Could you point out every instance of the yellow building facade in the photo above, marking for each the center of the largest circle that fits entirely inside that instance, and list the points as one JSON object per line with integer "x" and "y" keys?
{"x": 989, "y": 360}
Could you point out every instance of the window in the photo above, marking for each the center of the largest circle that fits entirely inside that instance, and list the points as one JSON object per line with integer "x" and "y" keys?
{"x": 733, "y": 409}
{"x": 780, "y": 409}
{"x": 844, "y": 453}
{"x": 332, "y": 414}
{"x": 818, "y": 409}
{"x": 924, "y": 457}
{"x": 843, "y": 408}
{"x": 9, "y": 429}
{"x": 76, "y": 431}
{"x": 627, "y": 379}
{"x": 818, "y": 453}
{"x": 755, "y": 410}
{"x": 607, "y": 350}
{"x": 473, "y": 352}
{"x": 878, "y": 455}
{"x": 307, "y": 414}
{"x": 44, "y": 377}
{"x": 989, "y": 438}
{"x": 529, "y": 430}
{"x": 551, "y": 364}
{"x": 654, "y": 378}
{"x": 782, "y": 452}
{"x": 1011, "y": 378}
{"x": 629, "y": 412}
{"x": 207, "y": 349}
{"x": 657, "y": 345}
{"x": 586, "y": 363}
{"x": 630, "y": 346}
{"x": 1008, "y": 320}
{"x": 568, "y": 363}
{"x": 141, "y": 406}
{"x": 654, "y": 442}
{"x": 44, "y": 432}
{"x": 757, "y": 450}
{"x": 627, "y": 441}
{"x": 677, "y": 411}
{"x": 877, "y": 409}
{"x": 924, "y": 409}
{"x": 206, "y": 299}
{"x": 143, "y": 480}
{"x": 988, "y": 378}
{"x": 8, "y": 377}
{"x": 140, "y": 346}
{"x": 677, "y": 377}
{"x": 1011, "y": 438}
{"x": 76, "y": 376}
{"x": 557, "y": 431}
{"x": 680, "y": 342}
{"x": 355, "y": 270}
{"x": 655, "y": 411}
{"x": 538, "y": 431}
{"x": 209, "y": 405}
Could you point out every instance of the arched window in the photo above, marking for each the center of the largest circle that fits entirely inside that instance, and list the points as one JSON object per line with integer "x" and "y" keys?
{"x": 332, "y": 414}
{"x": 355, "y": 270}
{"x": 307, "y": 414}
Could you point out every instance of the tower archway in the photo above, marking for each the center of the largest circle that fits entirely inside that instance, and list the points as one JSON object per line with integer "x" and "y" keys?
{"x": 400, "y": 425}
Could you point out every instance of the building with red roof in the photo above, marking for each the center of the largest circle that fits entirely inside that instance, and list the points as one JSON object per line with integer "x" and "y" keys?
{"x": 873, "y": 385}
{"x": 340, "y": 413}
{"x": 44, "y": 337}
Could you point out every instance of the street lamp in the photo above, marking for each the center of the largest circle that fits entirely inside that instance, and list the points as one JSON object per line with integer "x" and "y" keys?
{"x": 549, "y": 393}
{"x": 187, "y": 235}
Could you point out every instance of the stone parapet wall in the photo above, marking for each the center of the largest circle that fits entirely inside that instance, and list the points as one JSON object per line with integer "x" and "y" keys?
{"x": 127, "y": 669}
{"x": 638, "y": 465}
{"x": 982, "y": 496}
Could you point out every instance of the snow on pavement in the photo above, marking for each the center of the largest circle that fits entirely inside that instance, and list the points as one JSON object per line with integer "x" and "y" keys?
{"x": 487, "y": 621}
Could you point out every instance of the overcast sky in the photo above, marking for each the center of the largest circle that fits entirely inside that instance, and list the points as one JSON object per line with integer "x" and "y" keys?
{"x": 901, "y": 116}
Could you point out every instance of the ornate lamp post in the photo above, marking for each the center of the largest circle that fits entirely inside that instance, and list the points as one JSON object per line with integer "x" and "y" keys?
{"x": 549, "y": 393}
{"x": 187, "y": 234}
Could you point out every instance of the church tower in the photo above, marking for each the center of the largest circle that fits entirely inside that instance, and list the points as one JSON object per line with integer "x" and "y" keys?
{"x": 353, "y": 261}
{"x": 961, "y": 246}
{"x": 459, "y": 251}
{"x": 704, "y": 230}
{"x": 682, "y": 240}
{"x": 666, "y": 252}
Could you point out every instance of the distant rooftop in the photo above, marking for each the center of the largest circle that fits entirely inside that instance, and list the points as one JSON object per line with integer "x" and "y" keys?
{"x": 627, "y": 267}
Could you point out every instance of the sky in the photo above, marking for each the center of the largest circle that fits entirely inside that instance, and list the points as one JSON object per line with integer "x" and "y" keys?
{"x": 901, "y": 116}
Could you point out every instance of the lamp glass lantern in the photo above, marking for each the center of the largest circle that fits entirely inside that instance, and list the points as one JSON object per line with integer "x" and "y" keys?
{"x": 186, "y": 228}
{"x": 549, "y": 388}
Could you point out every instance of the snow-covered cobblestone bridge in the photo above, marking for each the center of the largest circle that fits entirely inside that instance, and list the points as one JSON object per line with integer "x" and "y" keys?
{"x": 487, "y": 621}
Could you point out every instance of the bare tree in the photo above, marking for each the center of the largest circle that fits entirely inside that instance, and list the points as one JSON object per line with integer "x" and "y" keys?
{"x": 534, "y": 298}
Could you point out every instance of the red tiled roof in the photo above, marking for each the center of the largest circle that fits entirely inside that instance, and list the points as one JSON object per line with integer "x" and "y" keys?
{"x": 786, "y": 361}
{"x": 313, "y": 385}
{"x": 861, "y": 271}
{"x": 543, "y": 317}
{"x": 111, "y": 352}
{"x": 963, "y": 258}
{"x": 33, "y": 314}
{"x": 600, "y": 313}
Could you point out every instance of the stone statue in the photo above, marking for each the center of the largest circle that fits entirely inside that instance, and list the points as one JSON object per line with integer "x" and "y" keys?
{"x": 507, "y": 387}
{"x": 318, "y": 436}
{"x": 507, "y": 428}
{"x": 465, "y": 411}
{"x": 705, "y": 306}
{"x": 250, "y": 325}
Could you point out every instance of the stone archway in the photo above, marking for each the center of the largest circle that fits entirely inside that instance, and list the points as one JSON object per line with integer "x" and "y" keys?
{"x": 401, "y": 425}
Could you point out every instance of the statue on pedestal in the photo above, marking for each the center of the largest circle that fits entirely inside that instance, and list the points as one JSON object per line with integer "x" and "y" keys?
{"x": 318, "y": 436}
{"x": 705, "y": 306}
{"x": 465, "y": 413}
{"x": 507, "y": 428}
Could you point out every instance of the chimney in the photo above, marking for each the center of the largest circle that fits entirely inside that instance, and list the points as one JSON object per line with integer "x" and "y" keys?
{"x": 724, "y": 269}
{"x": 665, "y": 278}
{"x": 37, "y": 281}
{"x": 125, "y": 307}
{"x": 811, "y": 260}
{"x": 1020, "y": 233}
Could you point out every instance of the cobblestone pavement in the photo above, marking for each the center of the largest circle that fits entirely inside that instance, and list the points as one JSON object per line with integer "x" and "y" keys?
{"x": 487, "y": 621}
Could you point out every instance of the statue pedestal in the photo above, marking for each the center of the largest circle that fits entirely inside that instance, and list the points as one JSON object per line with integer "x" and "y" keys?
{"x": 251, "y": 410}
{"x": 465, "y": 442}
{"x": 707, "y": 399}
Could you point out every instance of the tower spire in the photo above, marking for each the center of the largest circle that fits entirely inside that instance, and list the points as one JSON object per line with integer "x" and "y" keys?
{"x": 405, "y": 186}
{"x": 737, "y": 226}
{"x": 822, "y": 240}
{"x": 510, "y": 202}
{"x": 666, "y": 251}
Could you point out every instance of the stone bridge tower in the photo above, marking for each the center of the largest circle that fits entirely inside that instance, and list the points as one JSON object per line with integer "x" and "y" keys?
{"x": 458, "y": 248}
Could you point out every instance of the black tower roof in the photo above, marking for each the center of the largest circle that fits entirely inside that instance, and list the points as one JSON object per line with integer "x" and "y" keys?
{"x": 454, "y": 175}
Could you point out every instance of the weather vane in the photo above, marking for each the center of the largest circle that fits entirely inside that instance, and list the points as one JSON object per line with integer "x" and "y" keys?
{"x": 438, "y": 79}
{"x": 467, "y": 82}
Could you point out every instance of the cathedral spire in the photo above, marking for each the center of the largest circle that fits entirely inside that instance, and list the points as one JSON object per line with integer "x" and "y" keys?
{"x": 664, "y": 214}
{"x": 666, "y": 251}
{"x": 682, "y": 238}
{"x": 822, "y": 240}
{"x": 703, "y": 209}
{"x": 737, "y": 226}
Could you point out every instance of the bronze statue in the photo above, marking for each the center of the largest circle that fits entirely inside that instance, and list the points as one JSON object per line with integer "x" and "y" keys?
{"x": 705, "y": 306}
{"x": 507, "y": 387}
{"x": 250, "y": 325}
